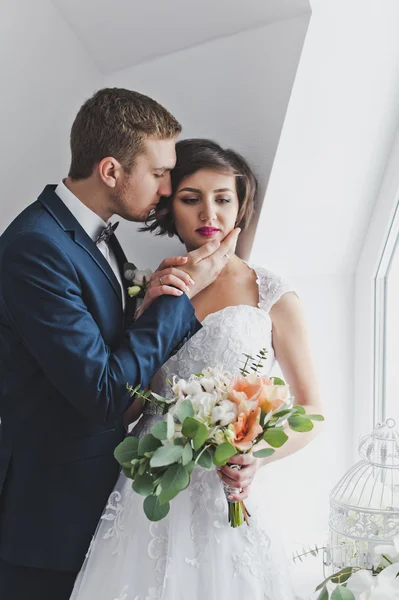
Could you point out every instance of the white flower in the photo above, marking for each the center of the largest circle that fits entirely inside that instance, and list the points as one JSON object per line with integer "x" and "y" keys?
{"x": 224, "y": 413}
{"x": 384, "y": 586}
{"x": 207, "y": 384}
{"x": 203, "y": 404}
{"x": 229, "y": 434}
{"x": 360, "y": 583}
{"x": 391, "y": 551}
{"x": 142, "y": 277}
{"x": 179, "y": 386}
{"x": 219, "y": 437}
{"x": 192, "y": 388}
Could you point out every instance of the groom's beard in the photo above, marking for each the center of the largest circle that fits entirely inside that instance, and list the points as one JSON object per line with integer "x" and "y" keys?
{"x": 124, "y": 207}
{"x": 141, "y": 218}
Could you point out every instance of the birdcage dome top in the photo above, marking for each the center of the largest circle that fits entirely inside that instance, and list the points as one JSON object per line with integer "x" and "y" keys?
{"x": 381, "y": 446}
{"x": 373, "y": 482}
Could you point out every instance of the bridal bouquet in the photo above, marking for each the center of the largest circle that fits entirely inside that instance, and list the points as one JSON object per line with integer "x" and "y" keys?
{"x": 210, "y": 417}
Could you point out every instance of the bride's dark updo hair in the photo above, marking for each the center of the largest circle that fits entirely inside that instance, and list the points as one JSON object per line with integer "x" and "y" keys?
{"x": 196, "y": 154}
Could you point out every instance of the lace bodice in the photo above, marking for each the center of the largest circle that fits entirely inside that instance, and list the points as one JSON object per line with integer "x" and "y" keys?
{"x": 227, "y": 335}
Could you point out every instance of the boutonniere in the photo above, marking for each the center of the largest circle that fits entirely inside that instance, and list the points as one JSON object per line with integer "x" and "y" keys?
{"x": 139, "y": 279}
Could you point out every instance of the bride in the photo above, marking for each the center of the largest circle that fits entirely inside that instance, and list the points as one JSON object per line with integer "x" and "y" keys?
{"x": 193, "y": 553}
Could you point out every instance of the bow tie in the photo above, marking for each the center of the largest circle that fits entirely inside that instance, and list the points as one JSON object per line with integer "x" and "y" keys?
{"x": 106, "y": 233}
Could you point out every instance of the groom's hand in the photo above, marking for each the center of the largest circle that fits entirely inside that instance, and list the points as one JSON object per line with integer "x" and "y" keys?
{"x": 168, "y": 279}
{"x": 191, "y": 273}
{"x": 205, "y": 263}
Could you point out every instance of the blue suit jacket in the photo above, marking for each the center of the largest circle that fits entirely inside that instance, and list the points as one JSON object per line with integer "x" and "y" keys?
{"x": 67, "y": 352}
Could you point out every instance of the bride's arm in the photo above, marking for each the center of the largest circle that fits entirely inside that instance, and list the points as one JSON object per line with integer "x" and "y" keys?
{"x": 292, "y": 350}
{"x": 134, "y": 412}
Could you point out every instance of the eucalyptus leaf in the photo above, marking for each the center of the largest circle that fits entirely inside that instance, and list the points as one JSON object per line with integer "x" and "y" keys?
{"x": 277, "y": 381}
{"x": 170, "y": 426}
{"x": 190, "y": 427}
{"x": 267, "y": 418}
{"x": 148, "y": 443}
{"x": 315, "y": 417}
{"x": 190, "y": 467}
{"x": 275, "y": 437}
{"x": 185, "y": 410}
{"x": 166, "y": 455}
{"x": 204, "y": 459}
{"x": 143, "y": 467}
{"x": 223, "y": 453}
{"x": 127, "y": 465}
{"x": 323, "y": 594}
{"x": 200, "y": 437}
{"x": 126, "y": 450}
{"x": 264, "y": 453}
{"x": 159, "y": 431}
{"x": 299, "y": 409}
{"x": 341, "y": 593}
{"x": 143, "y": 484}
{"x": 343, "y": 575}
{"x": 300, "y": 423}
{"x": 175, "y": 479}
{"x": 195, "y": 430}
{"x": 187, "y": 455}
{"x": 127, "y": 471}
{"x": 180, "y": 441}
{"x": 283, "y": 413}
{"x": 154, "y": 510}
{"x": 339, "y": 577}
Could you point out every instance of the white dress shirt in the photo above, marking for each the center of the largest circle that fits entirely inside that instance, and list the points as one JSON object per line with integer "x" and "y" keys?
{"x": 93, "y": 225}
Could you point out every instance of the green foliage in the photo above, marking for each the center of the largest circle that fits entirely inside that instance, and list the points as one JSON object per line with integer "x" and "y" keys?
{"x": 154, "y": 510}
{"x": 223, "y": 453}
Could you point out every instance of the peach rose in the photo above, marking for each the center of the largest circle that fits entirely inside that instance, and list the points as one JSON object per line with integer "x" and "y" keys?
{"x": 242, "y": 402}
{"x": 256, "y": 390}
{"x": 246, "y": 429}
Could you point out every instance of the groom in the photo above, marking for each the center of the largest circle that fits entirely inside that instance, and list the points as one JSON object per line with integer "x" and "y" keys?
{"x": 68, "y": 341}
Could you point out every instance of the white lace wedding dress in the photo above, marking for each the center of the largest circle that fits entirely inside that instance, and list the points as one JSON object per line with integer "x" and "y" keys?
{"x": 193, "y": 553}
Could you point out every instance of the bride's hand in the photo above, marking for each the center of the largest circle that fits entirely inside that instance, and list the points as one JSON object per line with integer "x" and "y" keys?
{"x": 168, "y": 279}
{"x": 133, "y": 412}
{"x": 240, "y": 478}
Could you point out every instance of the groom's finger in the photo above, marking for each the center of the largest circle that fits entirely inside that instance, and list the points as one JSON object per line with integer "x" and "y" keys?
{"x": 175, "y": 261}
{"x": 204, "y": 251}
{"x": 220, "y": 252}
{"x": 227, "y": 247}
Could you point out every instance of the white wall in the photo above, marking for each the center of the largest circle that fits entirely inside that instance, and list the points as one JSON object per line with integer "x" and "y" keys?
{"x": 46, "y": 75}
{"x": 336, "y": 139}
{"x": 234, "y": 90}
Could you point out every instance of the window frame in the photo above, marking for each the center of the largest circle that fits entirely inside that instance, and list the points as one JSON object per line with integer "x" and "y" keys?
{"x": 371, "y": 276}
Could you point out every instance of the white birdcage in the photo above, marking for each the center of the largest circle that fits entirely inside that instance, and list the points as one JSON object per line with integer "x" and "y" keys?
{"x": 364, "y": 505}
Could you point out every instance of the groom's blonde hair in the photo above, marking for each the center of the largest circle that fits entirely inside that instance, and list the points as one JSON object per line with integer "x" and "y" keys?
{"x": 116, "y": 122}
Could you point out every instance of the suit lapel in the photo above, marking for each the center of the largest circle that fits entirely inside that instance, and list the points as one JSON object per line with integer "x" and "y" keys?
{"x": 55, "y": 206}
{"x": 130, "y": 303}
